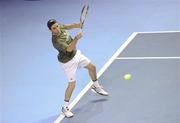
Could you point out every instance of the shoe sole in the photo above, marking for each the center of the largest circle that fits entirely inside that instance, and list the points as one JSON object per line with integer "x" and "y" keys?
{"x": 93, "y": 90}
{"x": 67, "y": 116}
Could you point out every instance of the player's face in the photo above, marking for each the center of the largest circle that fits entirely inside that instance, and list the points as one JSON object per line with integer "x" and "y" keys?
{"x": 55, "y": 28}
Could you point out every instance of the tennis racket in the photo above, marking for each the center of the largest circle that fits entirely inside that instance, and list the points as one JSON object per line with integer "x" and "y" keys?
{"x": 84, "y": 13}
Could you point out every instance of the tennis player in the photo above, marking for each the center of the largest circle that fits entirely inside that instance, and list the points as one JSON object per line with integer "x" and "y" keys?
{"x": 71, "y": 59}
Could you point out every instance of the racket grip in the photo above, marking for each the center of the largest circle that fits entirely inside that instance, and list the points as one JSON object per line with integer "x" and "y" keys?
{"x": 82, "y": 24}
{"x": 79, "y": 35}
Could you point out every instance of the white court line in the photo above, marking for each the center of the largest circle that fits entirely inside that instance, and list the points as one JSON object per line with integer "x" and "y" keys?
{"x": 88, "y": 86}
{"x": 158, "y": 32}
{"x": 144, "y": 58}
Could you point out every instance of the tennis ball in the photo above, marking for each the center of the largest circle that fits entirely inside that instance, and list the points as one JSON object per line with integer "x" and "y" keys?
{"x": 127, "y": 76}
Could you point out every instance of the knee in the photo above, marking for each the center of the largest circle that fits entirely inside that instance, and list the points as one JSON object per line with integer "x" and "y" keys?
{"x": 92, "y": 67}
{"x": 72, "y": 84}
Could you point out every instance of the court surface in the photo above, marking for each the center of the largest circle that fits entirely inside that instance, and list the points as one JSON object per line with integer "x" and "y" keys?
{"x": 151, "y": 96}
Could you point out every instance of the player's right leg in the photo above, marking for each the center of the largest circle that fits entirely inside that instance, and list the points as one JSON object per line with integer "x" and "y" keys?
{"x": 68, "y": 93}
{"x": 70, "y": 71}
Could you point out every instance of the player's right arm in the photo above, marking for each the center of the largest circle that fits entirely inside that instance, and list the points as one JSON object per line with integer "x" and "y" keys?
{"x": 62, "y": 46}
{"x": 72, "y": 45}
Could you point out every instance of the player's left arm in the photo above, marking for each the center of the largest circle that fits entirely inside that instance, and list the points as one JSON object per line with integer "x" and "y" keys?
{"x": 71, "y": 26}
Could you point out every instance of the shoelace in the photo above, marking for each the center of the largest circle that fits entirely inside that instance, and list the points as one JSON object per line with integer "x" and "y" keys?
{"x": 98, "y": 87}
{"x": 65, "y": 108}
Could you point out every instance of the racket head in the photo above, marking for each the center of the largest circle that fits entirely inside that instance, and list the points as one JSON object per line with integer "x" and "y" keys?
{"x": 84, "y": 13}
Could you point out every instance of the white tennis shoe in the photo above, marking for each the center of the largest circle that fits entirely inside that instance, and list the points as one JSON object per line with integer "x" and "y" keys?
{"x": 99, "y": 90}
{"x": 67, "y": 113}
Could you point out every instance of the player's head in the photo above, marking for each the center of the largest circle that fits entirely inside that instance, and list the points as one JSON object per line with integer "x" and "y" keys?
{"x": 53, "y": 25}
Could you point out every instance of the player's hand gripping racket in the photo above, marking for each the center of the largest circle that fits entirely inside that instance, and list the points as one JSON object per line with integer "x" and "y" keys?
{"x": 84, "y": 13}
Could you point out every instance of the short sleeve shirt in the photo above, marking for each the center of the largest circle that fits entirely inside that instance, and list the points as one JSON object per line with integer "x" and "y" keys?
{"x": 61, "y": 42}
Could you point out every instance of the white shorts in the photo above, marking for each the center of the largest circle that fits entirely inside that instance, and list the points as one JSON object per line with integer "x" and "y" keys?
{"x": 70, "y": 68}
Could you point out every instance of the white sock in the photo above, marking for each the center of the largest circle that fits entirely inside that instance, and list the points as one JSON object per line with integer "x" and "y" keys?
{"x": 96, "y": 83}
{"x": 66, "y": 104}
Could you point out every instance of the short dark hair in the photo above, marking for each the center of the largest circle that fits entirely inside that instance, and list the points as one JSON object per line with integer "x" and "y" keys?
{"x": 50, "y": 23}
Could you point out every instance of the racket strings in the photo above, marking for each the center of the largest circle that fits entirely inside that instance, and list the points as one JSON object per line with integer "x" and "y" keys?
{"x": 84, "y": 12}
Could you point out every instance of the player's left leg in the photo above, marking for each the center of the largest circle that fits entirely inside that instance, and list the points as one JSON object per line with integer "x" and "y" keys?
{"x": 92, "y": 71}
{"x": 86, "y": 63}
{"x": 93, "y": 74}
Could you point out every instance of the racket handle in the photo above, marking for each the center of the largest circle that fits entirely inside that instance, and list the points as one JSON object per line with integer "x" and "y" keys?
{"x": 82, "y": 24}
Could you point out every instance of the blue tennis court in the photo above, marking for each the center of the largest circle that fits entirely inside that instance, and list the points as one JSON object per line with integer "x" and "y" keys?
{"x": 32, "y": 83}
{"x": 152, "y": 95}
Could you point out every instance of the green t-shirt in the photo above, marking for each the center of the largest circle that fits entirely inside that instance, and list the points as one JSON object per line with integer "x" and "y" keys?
{"x": 60, "y": 42}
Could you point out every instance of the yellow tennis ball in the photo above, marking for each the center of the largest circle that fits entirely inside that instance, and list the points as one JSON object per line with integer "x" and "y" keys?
{"x": 127, "y": 76}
